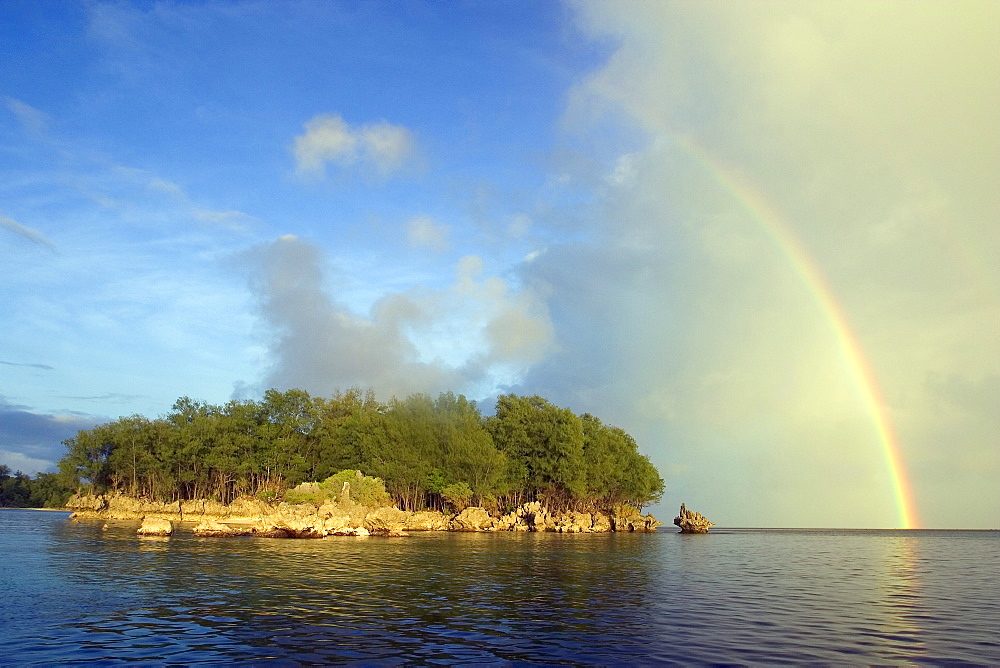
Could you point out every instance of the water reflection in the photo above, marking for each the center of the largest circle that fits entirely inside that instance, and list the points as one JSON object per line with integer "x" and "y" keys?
{"x": 729, "y": 596}
{"x": 899, "y": 593}
{"x": 403, "y": 596}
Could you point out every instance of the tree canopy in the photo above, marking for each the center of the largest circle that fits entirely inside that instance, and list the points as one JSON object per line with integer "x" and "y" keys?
{"x": 430, "y": 452}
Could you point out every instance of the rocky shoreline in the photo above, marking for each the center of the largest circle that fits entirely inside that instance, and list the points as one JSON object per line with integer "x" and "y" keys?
{"x": 253, "y": 517}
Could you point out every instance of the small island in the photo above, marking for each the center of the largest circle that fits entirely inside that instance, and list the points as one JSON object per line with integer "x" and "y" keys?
{"x": 692, "y": 522}
{"x": 292, "y": 465}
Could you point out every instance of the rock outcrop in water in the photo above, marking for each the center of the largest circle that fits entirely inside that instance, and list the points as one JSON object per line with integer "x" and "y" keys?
{"x": 155, "y": 527}
{"x": 212, "y": 528}
{"x": 692, "y": 522}
{"x": 344, "y": 517}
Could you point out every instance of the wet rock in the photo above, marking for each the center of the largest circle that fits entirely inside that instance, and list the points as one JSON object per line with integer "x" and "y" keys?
{"x": 692, "y": 522}
{"x": 155, "y": 527}
{"x": 265, "y": 530}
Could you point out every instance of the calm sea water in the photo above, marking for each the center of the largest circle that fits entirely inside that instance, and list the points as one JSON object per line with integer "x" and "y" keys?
{"x": 70, "y": 592}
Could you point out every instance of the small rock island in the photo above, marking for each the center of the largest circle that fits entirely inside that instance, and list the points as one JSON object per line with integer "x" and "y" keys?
{"x": 691, "y": 522}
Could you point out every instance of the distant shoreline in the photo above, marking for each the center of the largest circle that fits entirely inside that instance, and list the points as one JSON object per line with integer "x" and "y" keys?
{"x": 46, "y": 510}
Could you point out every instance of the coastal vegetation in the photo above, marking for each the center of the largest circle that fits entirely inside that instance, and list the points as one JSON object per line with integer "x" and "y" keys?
{"x": 45, "y": 490}
{"x": 429, "y": 453}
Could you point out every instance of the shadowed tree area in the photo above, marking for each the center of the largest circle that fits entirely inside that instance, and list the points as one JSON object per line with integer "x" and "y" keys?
{"x": 45, "y": 490}
{"x": 431, "y": 453}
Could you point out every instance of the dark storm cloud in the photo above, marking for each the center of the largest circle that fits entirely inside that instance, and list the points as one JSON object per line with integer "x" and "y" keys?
{"x": 29, "y": 435}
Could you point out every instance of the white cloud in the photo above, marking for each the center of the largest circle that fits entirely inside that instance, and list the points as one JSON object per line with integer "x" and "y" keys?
{"x": 386, "y": 146}
{"x": 424, "y": 232}
{"x": 326, "y": 138}
{"x": 27, "y": 465}
{"x": 329, "y": 139}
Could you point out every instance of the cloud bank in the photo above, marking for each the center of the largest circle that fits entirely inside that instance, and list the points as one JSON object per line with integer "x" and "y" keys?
{"x": 31, "y": 441}
{"x": 472, "y": 336}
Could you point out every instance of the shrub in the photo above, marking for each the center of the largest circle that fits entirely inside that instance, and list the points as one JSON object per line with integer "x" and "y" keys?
{"x": 458, "y": 495}
{"x": 365, "y": 490}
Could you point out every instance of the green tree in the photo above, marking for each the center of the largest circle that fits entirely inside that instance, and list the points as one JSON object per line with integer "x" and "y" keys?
{"x": 546, "y": 443}
{"x": 616, "y": 472}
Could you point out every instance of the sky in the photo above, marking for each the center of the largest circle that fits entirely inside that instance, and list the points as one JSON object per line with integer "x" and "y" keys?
{"x": 761, "y": 237}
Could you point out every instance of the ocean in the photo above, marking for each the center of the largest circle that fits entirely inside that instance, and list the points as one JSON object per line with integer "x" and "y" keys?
{"x": 70, "y": 592}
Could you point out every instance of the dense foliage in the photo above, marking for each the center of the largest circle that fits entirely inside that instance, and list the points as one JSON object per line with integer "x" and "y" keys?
{"x": 430, "y": 453}
{"x": 45, "y": 490}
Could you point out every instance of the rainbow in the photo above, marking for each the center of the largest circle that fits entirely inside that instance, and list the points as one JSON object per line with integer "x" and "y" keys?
{"x": 774, "y": 223}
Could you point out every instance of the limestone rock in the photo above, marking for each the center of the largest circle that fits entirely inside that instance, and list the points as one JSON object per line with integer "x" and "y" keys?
{"x": 602, "y": 523}
{"x": 536, "y": 516}
{"x": 339, "y": 523}
{"x": 576, "y": 523}
{"x": 209, "y": 527}
{"x": 512, "y": 521}
{"x": 265, "y": 530}
{"x": 472, "y": 519}
{"x": 302, "y": 529}
{"x": 386, "y": 521}
{"x": 301, "y": 526}
{"x": 427, "y": 520}
{"x": 119, "y": 506}
{"x": 248, "y": 506}
{"x": 636, "y": 522}
{"x": 533, "y": 516}
{"x": 692, "y": 522}
{"x": 87, "y": 502}
{"x": 155, "y": 527}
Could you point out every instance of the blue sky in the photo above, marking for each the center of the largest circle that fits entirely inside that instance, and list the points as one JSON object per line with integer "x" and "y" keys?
{"x": 213, "y": 198}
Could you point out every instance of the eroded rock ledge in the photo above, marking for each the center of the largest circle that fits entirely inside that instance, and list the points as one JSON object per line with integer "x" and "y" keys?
{"x": 343, "y": 518}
